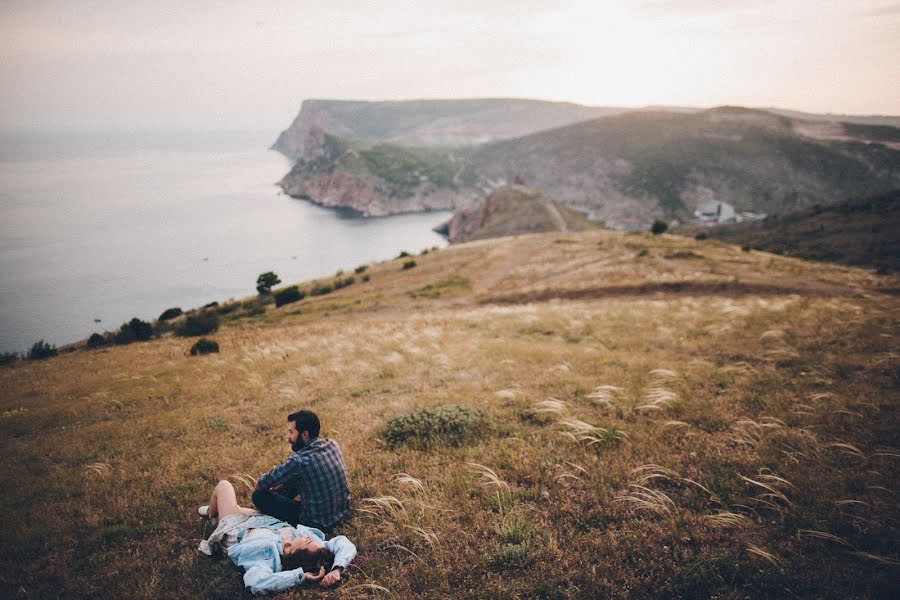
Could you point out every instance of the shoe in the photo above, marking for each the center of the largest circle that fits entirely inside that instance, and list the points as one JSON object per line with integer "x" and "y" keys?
{"x": 203, "y": 511}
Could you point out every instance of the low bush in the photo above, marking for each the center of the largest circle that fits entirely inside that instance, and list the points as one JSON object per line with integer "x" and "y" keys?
{"x": 204, "y": 346}
{"x": 134, "y": 330}
{"x": 409, "y": 264}
{"x": 403, "y": 254}
{"x": 342, "y": 283}
{"x": 170, "y": 313}
{"x": 658, "y": 227}
{"x": 199, "y": 324}
{"x": 288, "y": 295}
{"x": 41, "y": 349}
{"x": 360, "y": 269}
{"x": 701, "y": 236}
{"x": 97, "y": 340}
{"x": 7, "y": 358}
{"x": 450, "y": 425}
{"x": 365, "y": 278}
{"x": 320, "y": 289}
{"x": 228, "y": 308}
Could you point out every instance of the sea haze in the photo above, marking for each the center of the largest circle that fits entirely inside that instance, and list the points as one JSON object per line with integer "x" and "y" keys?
{"x": 111, "y": 227}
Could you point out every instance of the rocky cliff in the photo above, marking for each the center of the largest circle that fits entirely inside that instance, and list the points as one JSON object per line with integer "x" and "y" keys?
{"x": 512, "y": 210}
{"x": 427, "y": 122}
{"x": 637, "y": 165}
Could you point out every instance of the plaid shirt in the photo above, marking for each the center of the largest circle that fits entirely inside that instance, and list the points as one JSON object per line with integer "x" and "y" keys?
{"x": 317, "y": 473}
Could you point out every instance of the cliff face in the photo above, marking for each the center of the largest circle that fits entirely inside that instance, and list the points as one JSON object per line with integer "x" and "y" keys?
{"x": 638, "y": 165}
{"x": 512, "y": 210}
{"x": 428, "y": 122}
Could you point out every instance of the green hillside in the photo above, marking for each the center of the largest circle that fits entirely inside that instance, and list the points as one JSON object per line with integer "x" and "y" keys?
{"x": 641, "y": 417}
{"x": 640, "y": 165}
{"x": 862, "y": 231}
{"x": 750, "y": 159}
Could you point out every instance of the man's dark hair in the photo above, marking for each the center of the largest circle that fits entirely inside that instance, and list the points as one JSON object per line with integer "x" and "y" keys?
{"x": 305, "y": 420}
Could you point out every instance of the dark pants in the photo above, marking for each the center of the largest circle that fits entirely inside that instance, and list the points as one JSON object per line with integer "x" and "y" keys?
{"x": 277, "y": 505}
{"x": 284, "y": 508}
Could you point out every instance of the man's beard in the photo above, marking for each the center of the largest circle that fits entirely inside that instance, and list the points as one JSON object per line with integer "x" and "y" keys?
{"x": 297, "y": 445}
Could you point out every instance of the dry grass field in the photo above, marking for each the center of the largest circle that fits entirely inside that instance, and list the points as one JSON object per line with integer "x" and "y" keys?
{"x": 665, "y": 418}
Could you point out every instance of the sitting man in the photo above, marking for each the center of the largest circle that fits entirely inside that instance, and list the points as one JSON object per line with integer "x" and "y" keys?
{"x": 274, "y": 555}
{"x": 315, "y": 471}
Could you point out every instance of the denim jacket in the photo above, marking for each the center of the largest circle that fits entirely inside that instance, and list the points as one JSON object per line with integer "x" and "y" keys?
{"x": 260, "y": 556}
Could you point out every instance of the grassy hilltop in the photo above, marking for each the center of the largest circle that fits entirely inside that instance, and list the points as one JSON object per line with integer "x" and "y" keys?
{"x": 651, "y": 417}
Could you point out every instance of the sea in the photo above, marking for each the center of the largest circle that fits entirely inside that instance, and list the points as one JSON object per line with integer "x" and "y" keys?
{"x": 97, "y": 228}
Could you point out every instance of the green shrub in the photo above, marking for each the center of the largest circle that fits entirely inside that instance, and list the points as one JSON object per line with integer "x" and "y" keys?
{"x": 360, "y": 269}
{"x": 170, "y": 313}
{"x": 254, "y": 310}
{"x": 701, "y": 236}
{"x": 8, "y": 358}
{"x": 510, "y": 556}
{"x": 134, "y": 330}
{"x": 266, "y": 281}
{"x": 199, "y": 324}
{"x": 97, "y": 340}
{"x": 658, "y": 227}
{"x": 228, "y": 308}
{"x": 41, "y": 349}
{"x": 212, "y": 304}
{"x": 365, "y": 278}
{"x": 409, "y": 264}
{"x": 204, "y": 346}
{"x": 450, "y": 425}
{"x": 288, "y": 295}
{"x": 515, "y": 533}
{"x": 342, "y": 283}
{"x": 321, "y": 289}
{"x": 403, "y": 254}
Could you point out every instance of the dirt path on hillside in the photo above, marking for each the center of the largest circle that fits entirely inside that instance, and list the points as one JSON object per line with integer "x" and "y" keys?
{"x": 553, "y": 212}
{"x": 504, "y": 260}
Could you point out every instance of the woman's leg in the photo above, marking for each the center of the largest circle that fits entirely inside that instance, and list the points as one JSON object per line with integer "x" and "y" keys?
{"x": 223, "y": 502}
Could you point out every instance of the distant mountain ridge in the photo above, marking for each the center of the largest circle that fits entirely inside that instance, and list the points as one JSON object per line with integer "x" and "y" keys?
{"x": 385, "y": 158}
{"x": 428, "y": 122}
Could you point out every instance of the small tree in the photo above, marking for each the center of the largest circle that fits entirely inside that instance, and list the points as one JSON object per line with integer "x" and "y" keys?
{"x": 41, "y": 349}
{"x": 658, "y": 227}
{"x": 266, "y": 281}
{"x": 96, "y": 341}
{"x": 134, "y": 330}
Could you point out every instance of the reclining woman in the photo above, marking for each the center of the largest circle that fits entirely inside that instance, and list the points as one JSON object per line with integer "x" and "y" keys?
{"x": 274, "y": 554}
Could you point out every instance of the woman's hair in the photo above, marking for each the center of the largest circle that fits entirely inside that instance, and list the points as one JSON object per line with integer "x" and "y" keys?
{"x": 310, "y": 560}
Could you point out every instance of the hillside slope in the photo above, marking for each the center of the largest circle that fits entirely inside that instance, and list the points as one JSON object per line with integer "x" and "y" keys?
{"x": 663, "y": 417}
{"x": 861, "y": 231}
{"x": 427, "y": 122}
{"x": 660, "y": 165}
{"x": 637, "y": 165}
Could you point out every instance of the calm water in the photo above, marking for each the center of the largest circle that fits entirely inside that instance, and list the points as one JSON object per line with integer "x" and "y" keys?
{"x": 112, "y": 227}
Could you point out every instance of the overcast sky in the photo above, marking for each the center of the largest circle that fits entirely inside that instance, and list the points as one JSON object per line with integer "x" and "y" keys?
{"x": 203, "y": 64}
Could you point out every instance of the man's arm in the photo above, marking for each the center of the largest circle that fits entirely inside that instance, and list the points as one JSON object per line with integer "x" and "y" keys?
{"x": 284, "y": 474}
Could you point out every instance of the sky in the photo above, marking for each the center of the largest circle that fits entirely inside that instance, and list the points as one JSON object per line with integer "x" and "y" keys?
{"x": 213, "y": 65}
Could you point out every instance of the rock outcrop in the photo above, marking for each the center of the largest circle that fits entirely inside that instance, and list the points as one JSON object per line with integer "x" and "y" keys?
{"x": 512, "y": 210}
